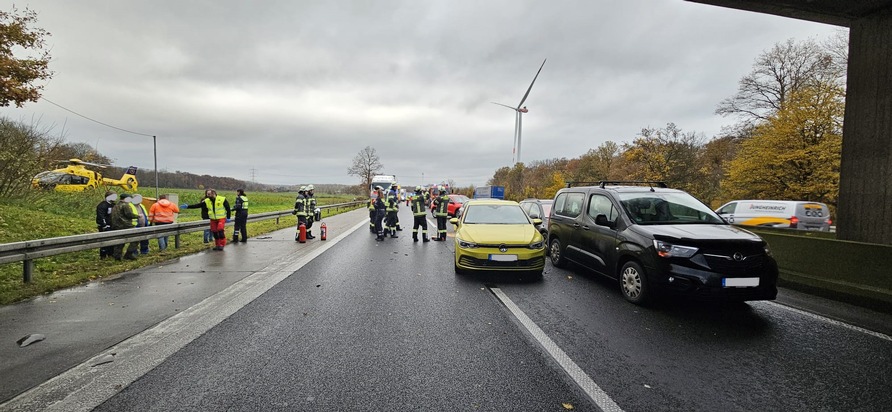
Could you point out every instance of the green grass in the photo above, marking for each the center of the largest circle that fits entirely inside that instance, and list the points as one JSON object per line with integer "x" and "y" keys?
{"x": 51, "y": 214}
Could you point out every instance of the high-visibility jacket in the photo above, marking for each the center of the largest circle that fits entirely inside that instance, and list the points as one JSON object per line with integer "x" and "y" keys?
{"x": 216, "y": 208}
{"x": 241, "y": 202}
{"x": 300, "y": 205}
{"x": 418, "y": 206}
{"x": 441, "y": 205}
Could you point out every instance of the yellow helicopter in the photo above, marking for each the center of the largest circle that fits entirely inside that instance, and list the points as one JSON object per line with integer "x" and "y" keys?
{"x": 75, "y": 177}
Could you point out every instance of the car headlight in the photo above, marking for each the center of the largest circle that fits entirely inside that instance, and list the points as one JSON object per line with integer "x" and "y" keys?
{"x": 465, "y": 245}
{"x": 668, "y": 250}
{"x": 537, "y": 245}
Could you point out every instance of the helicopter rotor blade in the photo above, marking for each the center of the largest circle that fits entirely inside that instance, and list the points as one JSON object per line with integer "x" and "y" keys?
{"x": 531, "y": 85}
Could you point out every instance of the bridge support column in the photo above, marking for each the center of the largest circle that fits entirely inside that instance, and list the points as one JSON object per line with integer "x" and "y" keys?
{"x": 865, "y": 189}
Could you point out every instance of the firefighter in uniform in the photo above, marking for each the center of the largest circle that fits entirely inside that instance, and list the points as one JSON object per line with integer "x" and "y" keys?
{"x": 300, "y": 210}
{"x": 103, "y": 220}
{"x": 372, "y": 215}
{"x": 393, "y": 207}
{"x": 441, "y": 203}
{"x": 124, "y": 216}
{"x": 311, "y": 210}
{"x": 395, "y": 188}
{"x": 380, "y": 210}
{"x": 418, "y": 202}
{"x": 241, "y": 216}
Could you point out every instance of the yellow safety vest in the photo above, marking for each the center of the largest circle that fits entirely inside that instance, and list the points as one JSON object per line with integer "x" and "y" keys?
{"x": 216, "y": 210}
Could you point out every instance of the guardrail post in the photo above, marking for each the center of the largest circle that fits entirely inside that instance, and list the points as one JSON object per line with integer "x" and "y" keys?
{"x": 28, "y": 266}
{"x": 176, "y": 241}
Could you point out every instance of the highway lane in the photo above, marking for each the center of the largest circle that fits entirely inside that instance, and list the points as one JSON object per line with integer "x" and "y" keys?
{"x": 693, "y": 356}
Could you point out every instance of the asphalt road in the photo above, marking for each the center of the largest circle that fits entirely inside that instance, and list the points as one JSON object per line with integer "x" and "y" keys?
{"x": 365, "y": 325}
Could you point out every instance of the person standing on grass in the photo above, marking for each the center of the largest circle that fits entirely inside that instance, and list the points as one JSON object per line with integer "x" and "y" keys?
{"x": 141, "y": 221}
{"x": 124, "y": 216}
{"x": 216, "y": 208}
{"x": 103, "y": 220}
{"x": 241, "y": 216}
{"x": 163, "y": 212}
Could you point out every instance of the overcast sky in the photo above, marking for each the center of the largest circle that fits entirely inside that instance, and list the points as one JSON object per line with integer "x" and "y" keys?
{"x": 288, "y": 92}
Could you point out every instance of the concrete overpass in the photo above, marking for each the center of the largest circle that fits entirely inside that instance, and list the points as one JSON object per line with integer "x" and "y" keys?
{"x": 864, "y": 212}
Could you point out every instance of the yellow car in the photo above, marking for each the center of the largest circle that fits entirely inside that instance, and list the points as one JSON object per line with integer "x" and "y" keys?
{"x": 496, "y": 235}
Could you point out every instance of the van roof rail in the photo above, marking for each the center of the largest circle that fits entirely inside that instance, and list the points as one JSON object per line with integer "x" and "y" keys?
{"x": 604, "y": 183}
{"x": 571, "y": 184}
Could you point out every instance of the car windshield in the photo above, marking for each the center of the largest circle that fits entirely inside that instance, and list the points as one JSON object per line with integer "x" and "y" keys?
{"x": 650, "y": 208}
{"x": 459, "y": 199}
{"x": 495, "y": 214}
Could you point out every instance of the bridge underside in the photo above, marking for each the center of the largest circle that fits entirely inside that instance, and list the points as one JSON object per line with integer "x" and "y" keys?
{"x": 864, "y": 212}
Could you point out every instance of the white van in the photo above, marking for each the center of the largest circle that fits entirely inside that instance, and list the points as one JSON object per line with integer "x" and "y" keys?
{"x": 777, "y": 213}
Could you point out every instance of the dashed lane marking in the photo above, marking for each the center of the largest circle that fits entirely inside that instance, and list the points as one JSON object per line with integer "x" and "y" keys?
{"x": 594, "y": 392}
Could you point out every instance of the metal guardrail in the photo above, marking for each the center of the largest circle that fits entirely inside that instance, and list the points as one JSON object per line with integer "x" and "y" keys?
{"x": 29, "y": 250}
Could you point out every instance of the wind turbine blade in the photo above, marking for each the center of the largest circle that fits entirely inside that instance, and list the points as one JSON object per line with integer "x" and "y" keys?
{"x": 531, "y": 85}
{"x": 505, "y": 105}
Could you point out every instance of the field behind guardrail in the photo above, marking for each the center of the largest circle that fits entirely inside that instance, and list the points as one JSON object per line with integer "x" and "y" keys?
{"x": 52, "y": 214}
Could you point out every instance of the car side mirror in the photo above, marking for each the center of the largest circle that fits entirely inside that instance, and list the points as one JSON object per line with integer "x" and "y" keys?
{"x": 534, "y": 216}
{"x": 537, "y": 221}
{"x": 454, "y": 221}
{"x": 601, "y": 220}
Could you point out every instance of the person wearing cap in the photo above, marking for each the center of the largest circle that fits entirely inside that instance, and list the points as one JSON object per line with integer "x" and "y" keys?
{"x": 163, "y": 212}
{"x": 300, "y": 210}
{"x": 380, "y": 210}
{"x": 311, "y": 210}
{"x": 103, "y": 220}
{"x": 418, "y": 208}
{"x": 241, "y": 217}
{"x": 441, "y": 203}
{"x": 141, "y": 221}
{"x": 217, "y": 209}
{"x": 124, "y": 216}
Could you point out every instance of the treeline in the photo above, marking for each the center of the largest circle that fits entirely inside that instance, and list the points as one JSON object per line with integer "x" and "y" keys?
{"x": 28, "y": 149}
{"x": 785, "y": 145}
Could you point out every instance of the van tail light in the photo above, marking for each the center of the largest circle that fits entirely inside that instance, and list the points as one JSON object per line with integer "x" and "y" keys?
{"x": 794, "y": 222}
{"x": 829, "y": 222}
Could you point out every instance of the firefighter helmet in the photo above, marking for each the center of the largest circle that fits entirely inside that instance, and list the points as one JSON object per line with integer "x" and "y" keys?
{"x": 310, "y": 187}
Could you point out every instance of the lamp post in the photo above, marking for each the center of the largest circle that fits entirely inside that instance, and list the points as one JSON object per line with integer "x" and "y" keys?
{"x": 155, "y": 149}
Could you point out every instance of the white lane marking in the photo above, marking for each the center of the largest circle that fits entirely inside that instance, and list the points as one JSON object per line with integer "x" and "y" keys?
{"x": 830, "y": 321}
{"x": 594, "y": 392}
{"x": 84, "y": 387}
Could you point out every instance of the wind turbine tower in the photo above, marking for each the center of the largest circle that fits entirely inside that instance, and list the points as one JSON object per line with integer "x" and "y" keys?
{"x": 518, "y": 116}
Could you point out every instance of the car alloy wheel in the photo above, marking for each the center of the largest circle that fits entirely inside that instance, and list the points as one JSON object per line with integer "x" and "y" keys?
{"x": 555, "y": 251}
{"x": 633, "y": 283}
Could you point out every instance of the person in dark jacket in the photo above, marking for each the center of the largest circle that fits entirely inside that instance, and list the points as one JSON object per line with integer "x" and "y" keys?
{"x": 241, "y": 216}
{"x": 380, "y": 211}
{"x": 103, "y": 220}
{"x": 216, "y": 209}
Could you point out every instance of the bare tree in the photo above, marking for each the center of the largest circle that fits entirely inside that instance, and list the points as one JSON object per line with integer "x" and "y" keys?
{"x": 365, "y": 165}
{"x": 24, "y": 151}
{"x": 786, "y": 68}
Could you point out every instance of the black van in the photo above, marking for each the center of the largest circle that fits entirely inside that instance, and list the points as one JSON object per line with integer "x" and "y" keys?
{"x": 657, "y": 240}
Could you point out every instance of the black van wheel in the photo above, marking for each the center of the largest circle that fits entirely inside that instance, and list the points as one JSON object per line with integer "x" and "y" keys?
{"x": 633, "y": 283}
{"x": 556, "y": 253}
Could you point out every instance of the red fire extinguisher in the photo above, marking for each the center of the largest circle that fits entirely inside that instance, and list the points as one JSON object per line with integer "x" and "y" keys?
{"x": 323, "y": 230}
{"x": 302, "y": 233}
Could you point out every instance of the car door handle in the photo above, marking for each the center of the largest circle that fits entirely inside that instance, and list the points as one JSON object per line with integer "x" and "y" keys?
{"x": 576, "y": 225}
{"x": 585, "y": 227}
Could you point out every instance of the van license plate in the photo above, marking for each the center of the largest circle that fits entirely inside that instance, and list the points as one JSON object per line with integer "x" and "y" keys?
{"x": 503, "y": 258}
{"x": 740, "y": 282}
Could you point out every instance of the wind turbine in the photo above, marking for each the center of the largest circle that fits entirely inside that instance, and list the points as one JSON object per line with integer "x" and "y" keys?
{"x": 518, "y": 118}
